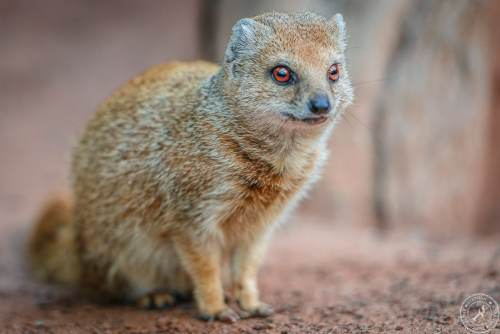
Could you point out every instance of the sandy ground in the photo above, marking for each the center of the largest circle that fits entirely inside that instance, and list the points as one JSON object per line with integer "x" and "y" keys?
{"x": 319, "y": 279}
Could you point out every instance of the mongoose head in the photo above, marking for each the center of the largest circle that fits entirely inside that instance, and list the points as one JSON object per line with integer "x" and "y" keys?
{"x": 288, "y": 70}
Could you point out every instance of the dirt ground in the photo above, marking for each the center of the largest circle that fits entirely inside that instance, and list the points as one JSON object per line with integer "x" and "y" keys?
{"x": 319, "y": 279}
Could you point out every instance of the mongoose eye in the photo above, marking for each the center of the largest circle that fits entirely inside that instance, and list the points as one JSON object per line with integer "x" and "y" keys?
{"x": 282, "y": 74}
{"x": 334, "y": 72}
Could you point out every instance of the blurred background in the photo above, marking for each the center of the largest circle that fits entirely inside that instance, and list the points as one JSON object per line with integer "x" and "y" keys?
{"x": 418, "y": 152}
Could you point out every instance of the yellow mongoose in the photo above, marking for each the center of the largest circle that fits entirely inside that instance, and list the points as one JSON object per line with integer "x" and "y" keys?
{"x": 190, "y": 164}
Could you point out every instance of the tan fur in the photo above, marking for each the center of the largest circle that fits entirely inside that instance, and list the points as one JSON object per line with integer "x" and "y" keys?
{"x": 190, "y": 163}
{"x": 51, "y": 245}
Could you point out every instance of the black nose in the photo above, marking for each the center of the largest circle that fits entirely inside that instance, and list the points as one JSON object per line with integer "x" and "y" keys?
{"x": 319, "y": 104}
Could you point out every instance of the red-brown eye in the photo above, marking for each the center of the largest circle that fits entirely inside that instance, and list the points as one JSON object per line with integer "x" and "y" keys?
{"x": 334, "y": 72}
{"x": 282, "y": 74}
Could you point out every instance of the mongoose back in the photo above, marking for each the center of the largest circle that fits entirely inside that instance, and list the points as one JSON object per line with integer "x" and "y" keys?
{"x": 190, "y": 166}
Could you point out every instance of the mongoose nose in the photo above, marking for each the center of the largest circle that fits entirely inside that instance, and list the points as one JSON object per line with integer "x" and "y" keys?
{"x": 319, "y": 104}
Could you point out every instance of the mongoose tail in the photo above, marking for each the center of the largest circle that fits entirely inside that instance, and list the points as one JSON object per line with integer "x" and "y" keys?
{"x": 52, "y": 245}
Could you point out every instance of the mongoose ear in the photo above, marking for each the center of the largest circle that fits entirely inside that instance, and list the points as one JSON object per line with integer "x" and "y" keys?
{"x": 339, "y": 30}
{"x": 243, "y": 39}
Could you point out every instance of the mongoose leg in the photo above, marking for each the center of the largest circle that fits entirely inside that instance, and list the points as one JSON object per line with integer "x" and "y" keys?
{"x": 245, "y": 266}
{"x": 202, "y": 262}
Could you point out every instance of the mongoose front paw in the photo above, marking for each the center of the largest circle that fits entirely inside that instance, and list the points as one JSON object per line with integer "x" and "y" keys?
{"x": 226, "y": 315}
{"x": 262, "y": 310}
{"x": 156, "y": 300}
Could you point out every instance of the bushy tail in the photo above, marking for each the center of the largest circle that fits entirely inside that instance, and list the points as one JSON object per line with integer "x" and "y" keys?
{"x": 52, "y": 246}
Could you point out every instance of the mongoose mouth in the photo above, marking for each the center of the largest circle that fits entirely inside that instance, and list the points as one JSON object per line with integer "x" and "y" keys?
{"x": 308, "y": 120}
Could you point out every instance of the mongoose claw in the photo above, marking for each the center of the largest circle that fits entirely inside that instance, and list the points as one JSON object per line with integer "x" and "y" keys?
{"x": 261, "y": 311}
{"x": 226, "y": 315}
{"x": 244, "y": 314}
{"x": 264, "y": 310}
